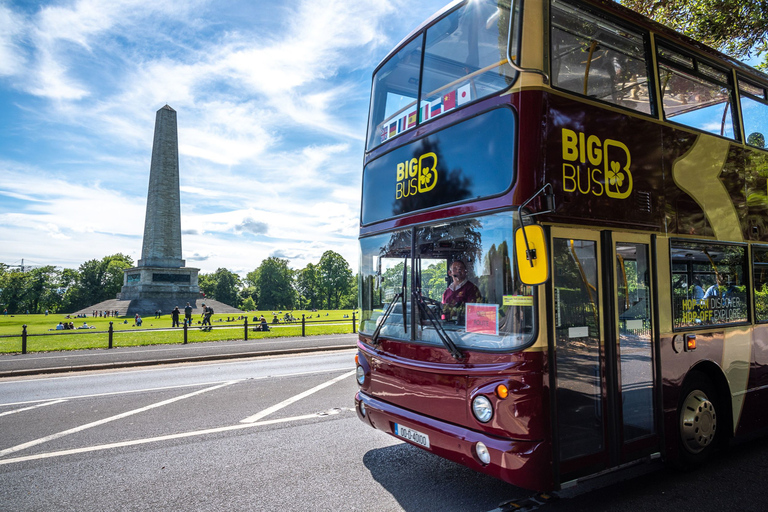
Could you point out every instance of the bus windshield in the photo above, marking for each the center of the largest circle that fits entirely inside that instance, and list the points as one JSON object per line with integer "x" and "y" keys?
{"x": 465, "y": 59}
{"x": 459, "y": 282}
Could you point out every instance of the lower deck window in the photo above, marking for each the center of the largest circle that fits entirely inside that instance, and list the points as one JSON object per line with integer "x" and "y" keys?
{"x": 708, "y": 286}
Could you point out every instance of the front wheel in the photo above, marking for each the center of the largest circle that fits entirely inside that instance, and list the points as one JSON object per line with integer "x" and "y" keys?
{"x": 699, "y": 419}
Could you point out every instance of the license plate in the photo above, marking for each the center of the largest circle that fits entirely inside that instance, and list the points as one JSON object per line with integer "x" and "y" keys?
{"x": 411, "y": 435}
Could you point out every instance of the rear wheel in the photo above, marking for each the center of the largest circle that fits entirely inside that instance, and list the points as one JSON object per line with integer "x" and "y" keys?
{"x": 699, "y": 416}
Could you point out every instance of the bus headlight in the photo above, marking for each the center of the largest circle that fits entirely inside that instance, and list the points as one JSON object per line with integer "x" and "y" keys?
{"x": 482, "y": 408}
{"x": 360, "y": 375}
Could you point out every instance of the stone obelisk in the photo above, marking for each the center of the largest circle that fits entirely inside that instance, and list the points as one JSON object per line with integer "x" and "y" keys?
{"x": 160, "y": 278}
{"x": 162, "y": 224}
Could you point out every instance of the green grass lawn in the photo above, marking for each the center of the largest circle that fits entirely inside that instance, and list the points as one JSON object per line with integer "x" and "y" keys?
{"x": 43, "y": 336}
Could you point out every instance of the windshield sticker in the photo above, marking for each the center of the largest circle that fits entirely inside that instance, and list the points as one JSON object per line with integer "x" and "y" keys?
{"x": 518, "y": 300}
{"x": 595, "y": 166}
{"x": 483, "y": 318}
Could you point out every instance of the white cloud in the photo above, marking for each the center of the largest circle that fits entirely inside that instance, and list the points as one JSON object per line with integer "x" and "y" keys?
{"x": 11, "y": 54}
{"x": 271, "y": 121}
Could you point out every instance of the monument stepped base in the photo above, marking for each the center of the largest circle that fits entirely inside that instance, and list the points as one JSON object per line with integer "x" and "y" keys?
{"x": 147, "y": 307}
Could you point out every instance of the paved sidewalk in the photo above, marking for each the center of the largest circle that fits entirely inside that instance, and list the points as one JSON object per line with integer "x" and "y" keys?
{"x": 34, "y": 363}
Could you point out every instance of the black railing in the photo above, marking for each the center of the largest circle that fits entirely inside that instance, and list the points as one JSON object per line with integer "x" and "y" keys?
{"x": 111, "y": 332}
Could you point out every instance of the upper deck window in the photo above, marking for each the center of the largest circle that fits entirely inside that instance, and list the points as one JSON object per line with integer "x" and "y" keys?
{"x": 464, "y": 59}
{"x": 695, "y": 94}
{"x": 598, "y": 58}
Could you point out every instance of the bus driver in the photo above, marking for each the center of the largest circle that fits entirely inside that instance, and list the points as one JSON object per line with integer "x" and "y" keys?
{"x": 458, "y": 293}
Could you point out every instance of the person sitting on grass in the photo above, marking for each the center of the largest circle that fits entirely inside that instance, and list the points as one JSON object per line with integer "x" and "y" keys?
{"x": 60, "y": 327}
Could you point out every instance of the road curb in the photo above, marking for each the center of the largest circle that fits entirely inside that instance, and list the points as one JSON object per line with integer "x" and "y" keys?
{"x": 175, "y": 360}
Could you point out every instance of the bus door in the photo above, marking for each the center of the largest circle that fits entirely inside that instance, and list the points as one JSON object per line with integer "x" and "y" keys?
{"x": 602, "y": 331}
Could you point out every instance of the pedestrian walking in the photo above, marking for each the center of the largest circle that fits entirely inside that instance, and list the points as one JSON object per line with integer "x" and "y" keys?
{"x": 175, "y": 316}
{"x": 207, "y": 312}
{"x": 188, "y": 314}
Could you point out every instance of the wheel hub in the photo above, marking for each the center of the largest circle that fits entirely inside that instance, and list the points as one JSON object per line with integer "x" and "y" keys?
{"x": 698, "y": 421}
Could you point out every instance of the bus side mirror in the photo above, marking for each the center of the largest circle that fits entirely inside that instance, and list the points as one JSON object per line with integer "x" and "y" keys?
{"x": 531, "y": 252}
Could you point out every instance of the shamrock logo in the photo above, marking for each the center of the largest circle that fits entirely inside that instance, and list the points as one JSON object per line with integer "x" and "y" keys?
{"x": 615, "y": 176}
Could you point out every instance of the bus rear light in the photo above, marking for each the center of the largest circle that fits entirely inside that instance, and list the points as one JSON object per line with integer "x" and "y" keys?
{"x": 482, "y": 453}
{"x": 502, "y": 391}
{"x": 690, "y": 342}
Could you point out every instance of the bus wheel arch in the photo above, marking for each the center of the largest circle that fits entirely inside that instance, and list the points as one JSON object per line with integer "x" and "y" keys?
{"x": 704, "y": 415}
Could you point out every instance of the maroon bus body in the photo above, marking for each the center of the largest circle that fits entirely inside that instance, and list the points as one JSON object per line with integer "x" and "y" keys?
{"x": 408, "y": 377}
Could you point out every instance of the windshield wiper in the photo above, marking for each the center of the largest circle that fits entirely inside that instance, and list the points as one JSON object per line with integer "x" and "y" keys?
{"x": 427, "y": 313}
{"x": 375, "y": 337}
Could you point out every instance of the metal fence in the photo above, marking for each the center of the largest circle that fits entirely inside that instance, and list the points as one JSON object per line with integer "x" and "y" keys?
{"x": 254, "y": 327}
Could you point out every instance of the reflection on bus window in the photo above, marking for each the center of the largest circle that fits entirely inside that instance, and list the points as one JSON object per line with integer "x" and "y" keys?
{"x": 596, "y": 58}
{"x": 754, "y": 113}
{"x": 708, "y": 284}
{"x": 695, "y": 94}
{"x": 464, "y": 286}
{"x": 385, "y": 277}
{"x": 633, "y": 278}
{"x": 696, "y": 102}
{"x": 760, "y": 272}
{"x": 465, "y": 57}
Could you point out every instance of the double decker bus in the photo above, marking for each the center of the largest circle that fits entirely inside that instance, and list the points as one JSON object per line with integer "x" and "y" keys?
{"x": 564, "y": 242}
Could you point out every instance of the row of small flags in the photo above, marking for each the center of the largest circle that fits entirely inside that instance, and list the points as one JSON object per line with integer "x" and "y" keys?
{"x": 428, "y": 110}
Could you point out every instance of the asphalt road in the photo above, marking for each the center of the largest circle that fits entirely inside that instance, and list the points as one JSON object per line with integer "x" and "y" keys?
{"x": 279, "y": 433}
{"x": 274, "y": 433}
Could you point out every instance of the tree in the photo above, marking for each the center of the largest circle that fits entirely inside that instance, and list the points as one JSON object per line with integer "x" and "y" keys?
{"x": 96, "y": 281}
{"x": 112, "y": 279}
{"x": 227, "y": 287}
{"x": 12, "y": 296}
{"x": 273, "y": 281}
{"x": 335, "y": 278}
{"x": 351, "y": 299}
{"x": 247, "y": 304}
{"x": 42, "y": 290}
{"x": 306, "y": 283}
{"x": 736, "y": 27}
{"x": 222, "y": 285}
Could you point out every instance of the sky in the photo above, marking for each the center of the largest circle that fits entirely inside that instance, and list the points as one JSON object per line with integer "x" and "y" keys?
{"x": 271, "y": 101}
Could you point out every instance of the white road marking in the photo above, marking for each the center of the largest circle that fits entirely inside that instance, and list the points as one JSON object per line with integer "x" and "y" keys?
{"x": 197, "y": 384}
{"x": 165, "y": 368}
{"x": 158, "y": 439}
{"x": 296, "y": 398}
{"x": 111, "y": 393}
{"x": 45, "y": 439}
{"x": 47, "y": 402}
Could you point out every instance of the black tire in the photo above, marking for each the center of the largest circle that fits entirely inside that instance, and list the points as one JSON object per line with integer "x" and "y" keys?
{"x": 700, "y": 419}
